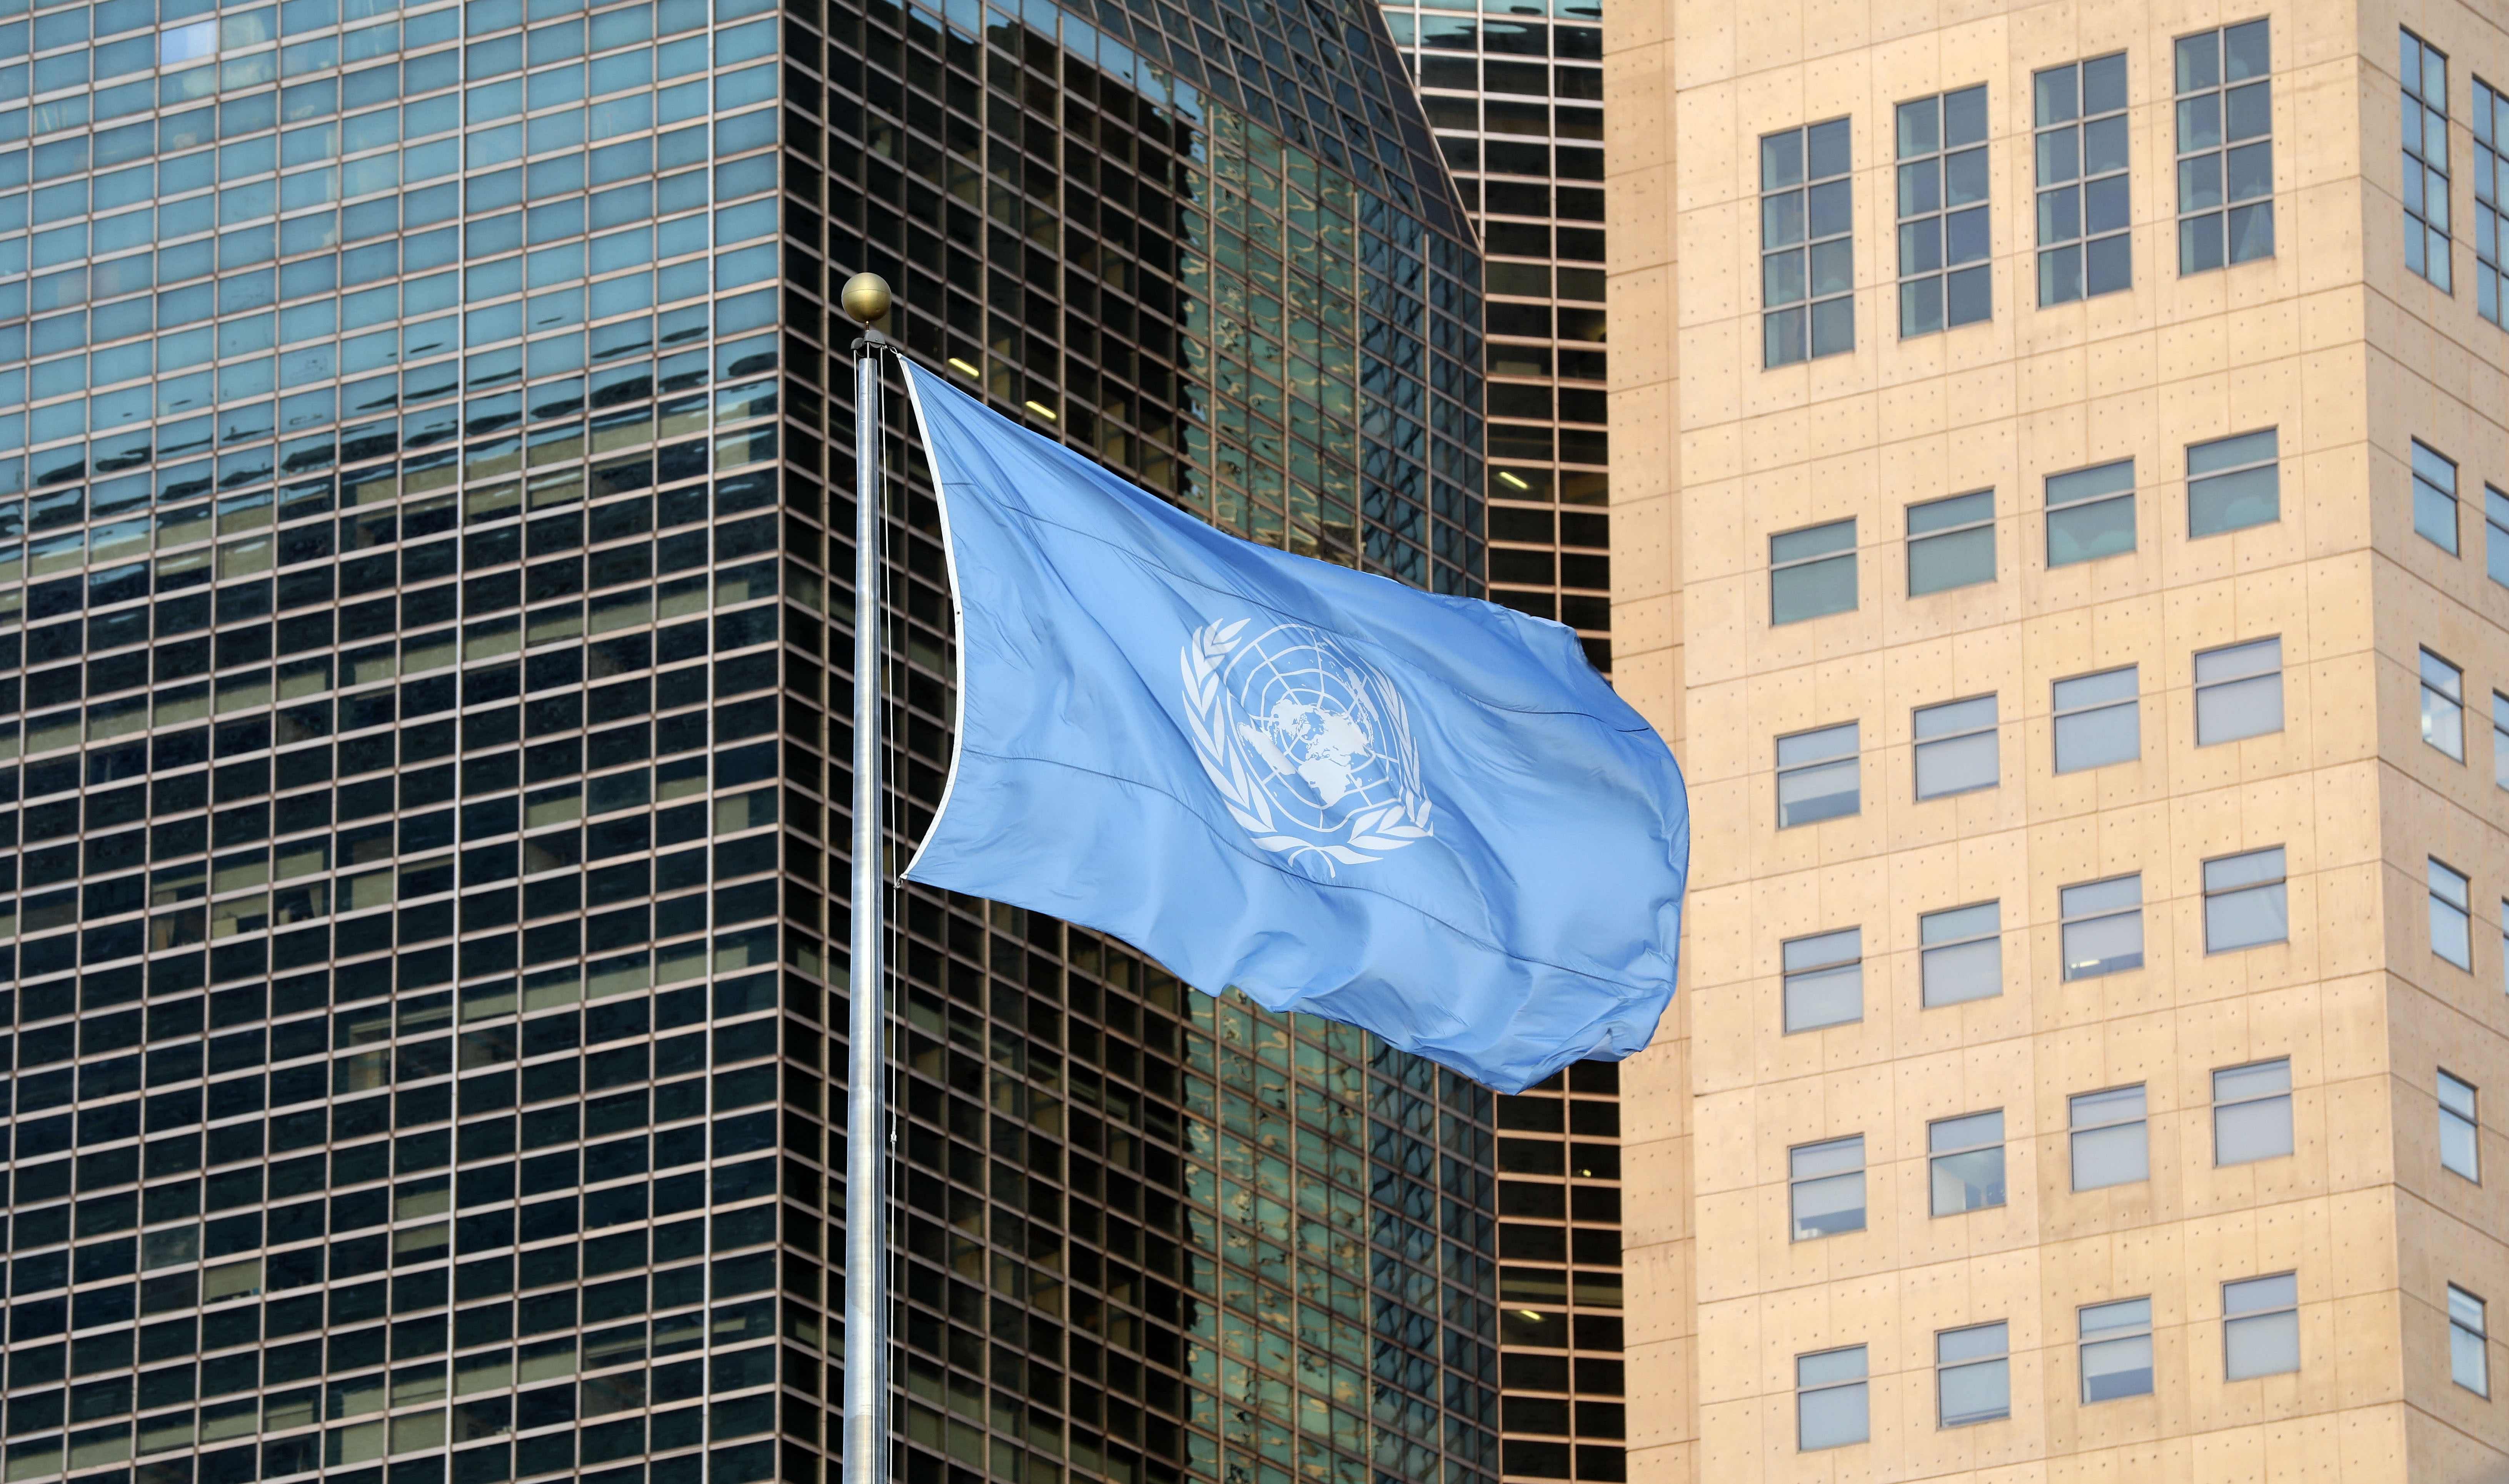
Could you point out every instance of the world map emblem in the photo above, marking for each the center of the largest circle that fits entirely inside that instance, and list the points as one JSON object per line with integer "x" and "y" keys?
{"x": 1308, "y": 745}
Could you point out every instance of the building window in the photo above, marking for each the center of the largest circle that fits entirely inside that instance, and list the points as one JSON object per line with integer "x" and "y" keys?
{"x": 2098, "y": 720}
{"x": 2245, "y": 902}
{"x": 2108, "y": 1137}
{"x": 2252, "y": 1112}
{"x": 2490, "y": 197}
{"x": 1972, "y": 1375}
{"x": 2238, "y": 691}
{"x": 2499, "y": 740}
{"x": 1955, "y": 747}
{"x": 1818, "y": 776}
{"x": 2459, "y": 1148}
{"x": 1951, "y": 544}
{"x": 1944, "y": 279}
{"x": 1828, "y": 1185}
{"x": 2423, "y": 70}
{"x": 1824, "y": 980}
{"x": 2234, "y": 483}
{"x": 1829, "y": 1399}
{"x": 1812, "y": 573}
{"x": 2450, "y": 922}
{"x": 2225, "y": 148}
{"x": 1961, "y": 953}
{"x": 2442, "y": 706}
{"x": 2103, "y": 926}
{"x": 1807, "y": 250}
{"x": 2090, "y": 513}
{"x": 2435, "y": 496}
{"x": 2469, "y": 1359}
{"x": 2496, "y": 531}
{"x": 2083, "y": 245}
{"x": 2117, "y": 1350}
{"x": 2261, "y": 1326}
{"x": 1966, "y": 1157}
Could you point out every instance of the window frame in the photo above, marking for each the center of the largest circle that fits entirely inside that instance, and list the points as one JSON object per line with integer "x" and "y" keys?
{"x": 2262, "y": 1094}
{"x": 2430, "y": 501}
{"x": 2415, "y": 80}
{"x": 1947, "y": 1364}
{"x": 2086, "y": 910}
{"x": 2460, "y": 1105}
{"x": 1799, "y": 1179}
{"x": 2098, "y": 497}
{"x": 2207, "y": 482}
{"x": 2438, "y": 877}
{"x": 1859, "y": 1383}
{"x": 2489, "y": 125}
{"x": 2442, "y": 701}
{"x": 1783, "y": 568}
{"x": 2231, "y": 885}
{"x": 1943, "y": 218}
{"x": 2267, "y": 1309}
{"x": 1819, "y": 971}
{"x": 2129, "y": 1330}
{"x": 1922, "y": 747}
{"x": 2499, "y": 740}
{"x": 2076, "y": 1130}
{"x": 1853, "y": 757}
{"x": 2214, "y": 688}
{"x": 1928, "y": 950}
{"x": 2462, "y": 1328}
{"x": 2060, "y": 713}
{"x": 1921, "y": 543}
{"x": 2495, "y": 515}
{"x": 1956, "y": 1127}
{"x": 2226, "y": 215}
{"x": 1804, "y": 340}
{"x": 2050, "y": 241}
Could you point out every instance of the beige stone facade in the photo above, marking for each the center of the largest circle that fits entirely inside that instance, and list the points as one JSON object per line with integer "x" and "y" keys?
{"x": 2350, "y": 356}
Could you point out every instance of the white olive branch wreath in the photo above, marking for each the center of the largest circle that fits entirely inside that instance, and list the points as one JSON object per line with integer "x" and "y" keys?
{"x": 1383, "y": 829}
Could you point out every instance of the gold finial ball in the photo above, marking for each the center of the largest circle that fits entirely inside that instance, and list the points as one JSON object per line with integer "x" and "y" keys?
{"x": 866, "y": 297}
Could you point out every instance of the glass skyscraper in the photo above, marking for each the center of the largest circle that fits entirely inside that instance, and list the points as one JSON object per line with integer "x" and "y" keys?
{"x": 423, "y": 513}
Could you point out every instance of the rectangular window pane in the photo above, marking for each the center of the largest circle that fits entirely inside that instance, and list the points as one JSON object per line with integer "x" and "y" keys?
{"x": 2117, "y": 1350}
{"x": 2427, "y": 248}
{"x": 1806, "y": 244}
{"x": 2238, "y": 691}
{"x": 1824, "y": 980}
{"x": 1944, "y": 281}
{"x": 1818, "y": 776}
{"x": 2261, "y": 1328}
{"x": 2469, "y": 1363}
{"x": 2450, "y": 922}
{"x": 1966, "y": 1156}
{"x": 2459, "y": 1149}
{"x": 2097, "y": 720}
{"x": 2080, "y": 149}
{"x": 1955, "y": 747}
{"x": 2225, "y": 147}
{"x": 2246, "y": 901}
{"x": 1951, "y": 544}
{"x": 2108, "y": 1144}
{"x": 2090, "y": 513}
{"x": 1812, "y": 573}
{"x": 1826, "y": 1187}
{"x": 2434, "y": 478}
{"x": 1963, "y": 954}
{"x": 1975, "y": 1381}
{"x": 2252, "y": 1112}
{"x": 2103, "y": 927}
{"x": 2443, "y": 695}
{"x": 2234, "y": 483}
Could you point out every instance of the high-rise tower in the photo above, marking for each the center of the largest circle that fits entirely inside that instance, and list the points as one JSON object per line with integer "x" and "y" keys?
{"x": 2056, "y": 464}
{"x": 423, "y": 554}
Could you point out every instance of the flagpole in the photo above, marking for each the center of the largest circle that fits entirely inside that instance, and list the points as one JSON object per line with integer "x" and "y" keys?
{"x": 865, "y": 1452}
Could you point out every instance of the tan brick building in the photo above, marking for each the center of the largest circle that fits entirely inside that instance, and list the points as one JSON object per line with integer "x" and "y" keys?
{"x": 2055, "y": 451}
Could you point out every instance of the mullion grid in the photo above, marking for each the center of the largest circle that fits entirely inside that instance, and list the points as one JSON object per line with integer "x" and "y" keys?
{"x": 1944, "y": 232}
{"x": 2083, "y": 218}
{"x": 2225, "y": 132}
{"x": 1807, "y": 243}
{"x": 2491, "y": 209}
{"x": 2423, "y": 71}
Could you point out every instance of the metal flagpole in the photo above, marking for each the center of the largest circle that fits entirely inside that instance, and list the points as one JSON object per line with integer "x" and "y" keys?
{"x": 865, "y": 1459}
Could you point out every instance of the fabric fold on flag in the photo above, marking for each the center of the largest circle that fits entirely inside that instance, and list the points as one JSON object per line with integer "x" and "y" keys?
{"x": 1424, "y": 815}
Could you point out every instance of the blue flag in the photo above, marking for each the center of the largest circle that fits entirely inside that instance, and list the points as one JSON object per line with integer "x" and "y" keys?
{"x": 1422, "y": 815}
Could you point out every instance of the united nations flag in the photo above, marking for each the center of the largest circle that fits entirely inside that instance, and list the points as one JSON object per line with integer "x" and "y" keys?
{"x": 1426, "y": 816}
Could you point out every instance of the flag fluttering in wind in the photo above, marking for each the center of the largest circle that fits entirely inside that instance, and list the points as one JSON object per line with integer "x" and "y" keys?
{"x": 1426, "y": 816}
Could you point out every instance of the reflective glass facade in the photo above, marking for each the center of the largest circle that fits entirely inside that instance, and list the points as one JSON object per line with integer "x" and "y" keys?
{"x": 420, "y": 496}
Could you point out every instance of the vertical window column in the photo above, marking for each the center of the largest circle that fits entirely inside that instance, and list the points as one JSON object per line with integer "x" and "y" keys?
{"x": 2490, "y": 197}
{"x": 2225, "y": 148}
{"x": 1944, "y": 237}
{"x": 1807, "y": 247}
{"x": 2084, "y": 249}
{"x": 2423, "y": 72}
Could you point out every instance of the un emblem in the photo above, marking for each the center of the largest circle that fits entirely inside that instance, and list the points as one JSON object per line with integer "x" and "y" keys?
{"x": 1308, "y": 745}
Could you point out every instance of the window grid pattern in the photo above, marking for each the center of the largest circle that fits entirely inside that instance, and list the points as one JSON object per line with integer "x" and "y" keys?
{"x": 2442, "y": 706}
{"x": 2460, "y": 1148}
{"x": 2469, "y": 1345}
{"x": 1944, "y": 230}
{"x": 2225, "y": 147}
{"x": 2085, "y": 243}
{"x": 2422, "y": 71}
{"x": 1806, "y": 244}
{"x": 1560, "y": 1280}
{"x": 2491, "y": 123}
{"x": 2452, "y": 921}
{"x": 1513, "y": 98}
{"x": 2098, "y": 720}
